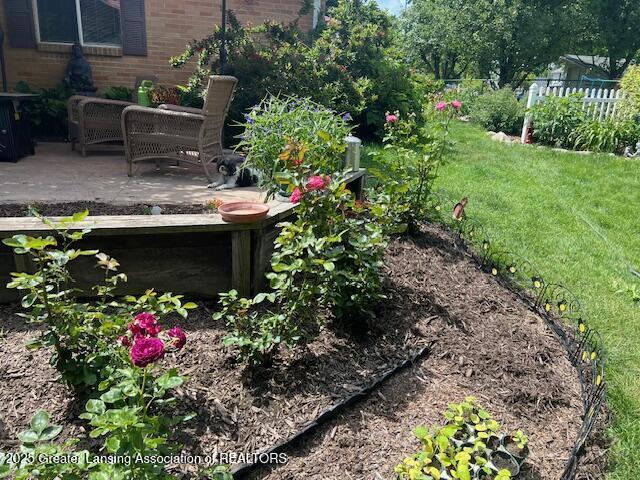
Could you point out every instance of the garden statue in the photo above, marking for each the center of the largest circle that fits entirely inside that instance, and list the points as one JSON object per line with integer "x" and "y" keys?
{"x": 629, "y": 153}
{"x": 79, "y": 76}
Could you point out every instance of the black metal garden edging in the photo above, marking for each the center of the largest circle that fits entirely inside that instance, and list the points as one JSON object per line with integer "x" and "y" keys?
{"x": 554, "y": 303}
{"x": 330, "y": 413}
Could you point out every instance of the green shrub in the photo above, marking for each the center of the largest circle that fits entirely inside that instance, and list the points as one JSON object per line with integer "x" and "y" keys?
{"x": 124, "y": 94}
{"x": 556, "y": 120}
{"x": 611, "y": 135}
{"x": 498, "y": 111}
{"x": 351, "y": 66}
{"x": 328, "y": 260}
{"x": 466, "y": 92}
{"x": 408, "y": 164}
{"x": 270, "y": 127}
{"x": 630, "y": 85}
{"x": 48, "y": 112}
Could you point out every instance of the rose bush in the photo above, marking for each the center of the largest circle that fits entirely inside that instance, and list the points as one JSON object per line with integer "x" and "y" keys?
{"x": 327, "y": 262}
{"x": 408, "y": 164}
{"x": 82, "y": 333}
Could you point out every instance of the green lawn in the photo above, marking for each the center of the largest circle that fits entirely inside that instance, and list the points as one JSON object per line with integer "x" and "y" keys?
{"x": 577, "y": 219}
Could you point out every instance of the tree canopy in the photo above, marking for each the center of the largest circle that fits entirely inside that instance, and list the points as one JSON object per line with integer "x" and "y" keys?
{"x": 510, "y": 39}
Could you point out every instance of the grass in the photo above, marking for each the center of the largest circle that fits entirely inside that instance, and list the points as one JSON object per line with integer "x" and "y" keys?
{"x": 577, "y": 219}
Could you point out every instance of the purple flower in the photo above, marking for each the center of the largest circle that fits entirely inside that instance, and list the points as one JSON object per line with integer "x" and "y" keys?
{"x": 177, "y": 337}
{"x": 145, "y": 324}
{"x": 146, "y": 351}
{"x": 248, "y": 119}
{"x": 346, "y": 117}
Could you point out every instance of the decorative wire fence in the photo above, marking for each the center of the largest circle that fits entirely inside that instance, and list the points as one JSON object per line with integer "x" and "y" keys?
{"x": 558, "y": 306}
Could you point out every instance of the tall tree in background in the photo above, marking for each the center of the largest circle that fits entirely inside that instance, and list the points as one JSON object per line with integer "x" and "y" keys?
{"x": 437, "y": 33}
{"x": 612, "y": 27}
{"x": 519, "y": 37}
{"x": 506, "y": 39}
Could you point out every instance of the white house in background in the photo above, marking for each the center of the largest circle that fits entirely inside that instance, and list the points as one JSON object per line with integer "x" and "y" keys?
{"x": 572, "y": 69}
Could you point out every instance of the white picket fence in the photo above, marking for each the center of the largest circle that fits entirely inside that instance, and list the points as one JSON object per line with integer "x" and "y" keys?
{"x": 598, "y": 103}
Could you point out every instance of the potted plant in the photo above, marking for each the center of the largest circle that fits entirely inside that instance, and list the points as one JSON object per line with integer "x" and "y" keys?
{"x": 517, "y": 445}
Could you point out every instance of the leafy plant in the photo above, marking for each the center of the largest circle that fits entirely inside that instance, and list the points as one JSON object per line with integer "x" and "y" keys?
{"x": 48, "y": 111}
{"x": 124, "y": 94}
{"x": 37, "y": 446}
{"x": 328, "y": 259}
{"x": 351, "y": 65}
{"x": 272, "y": 125}
{"x": 81, "y": 333}
{"x": 498, "y": 111}
{"x": 409, "y": 162}
{"x": 521, "y": 439}
{"x": 463, "y": 447}
{"x": 610, "y": 135}
{"x": 556, "y": 120}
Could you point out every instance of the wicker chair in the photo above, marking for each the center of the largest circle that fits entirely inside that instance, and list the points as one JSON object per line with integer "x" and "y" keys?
{"x": 98, "y": 120}
{"x": 178, "y": 133}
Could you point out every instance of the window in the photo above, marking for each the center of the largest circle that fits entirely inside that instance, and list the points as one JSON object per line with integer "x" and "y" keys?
{"x": 89, "y": 22}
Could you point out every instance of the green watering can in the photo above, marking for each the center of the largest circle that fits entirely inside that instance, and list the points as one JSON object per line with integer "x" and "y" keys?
{"x": 143, "y": 93}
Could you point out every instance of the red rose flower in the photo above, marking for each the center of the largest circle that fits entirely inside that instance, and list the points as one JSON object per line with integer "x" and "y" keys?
{"x": 146, "y": 351}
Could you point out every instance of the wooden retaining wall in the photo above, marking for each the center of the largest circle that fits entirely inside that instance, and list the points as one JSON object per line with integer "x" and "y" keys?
{"x": 195, "y": 255}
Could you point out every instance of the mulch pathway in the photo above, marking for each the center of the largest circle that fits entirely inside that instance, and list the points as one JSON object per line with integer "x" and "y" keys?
{"x": 485, "y": 342}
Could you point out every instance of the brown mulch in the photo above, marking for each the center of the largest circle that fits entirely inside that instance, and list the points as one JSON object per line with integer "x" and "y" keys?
{"x": 486, "y": 343}
{"x": 95, "y": 208}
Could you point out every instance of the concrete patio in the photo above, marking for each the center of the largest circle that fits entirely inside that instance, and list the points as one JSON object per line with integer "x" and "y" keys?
{"x": 57, "y": 174}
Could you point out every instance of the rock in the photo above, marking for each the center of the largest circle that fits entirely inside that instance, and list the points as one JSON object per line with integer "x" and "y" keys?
{"x": 156, "y": 210}
{"x": 501, "y": 137}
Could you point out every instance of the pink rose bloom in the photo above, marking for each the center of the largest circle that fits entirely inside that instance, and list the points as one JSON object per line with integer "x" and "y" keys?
{"x": 440, "y": 106}
{"x": 135, "y": 330}
{"x": 148, "y": 323}
{"x": 296, "y": 196}
{"x": 456, "y": 104}
{"x": 178, "y": 337}
{"x": 391, "y": 118}
{"x": 317, "y": 182}
{"x": 146, "y": 351}
{"x": 123, "y": 341}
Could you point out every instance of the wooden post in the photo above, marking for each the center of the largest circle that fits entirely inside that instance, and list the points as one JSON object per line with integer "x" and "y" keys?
{"x": 241, "y": 262}
{"x": 531, "y": 101}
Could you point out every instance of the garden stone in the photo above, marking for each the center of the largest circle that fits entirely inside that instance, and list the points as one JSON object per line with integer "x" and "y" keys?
{"x": 501, "y": 137}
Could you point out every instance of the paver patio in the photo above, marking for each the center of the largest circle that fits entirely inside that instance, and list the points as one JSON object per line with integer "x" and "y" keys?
{"x": 57, "y": 174}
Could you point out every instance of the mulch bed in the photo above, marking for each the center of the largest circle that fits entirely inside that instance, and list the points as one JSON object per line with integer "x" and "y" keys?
{"x": 95, "y": 208}
{"x": 485, "y": 342}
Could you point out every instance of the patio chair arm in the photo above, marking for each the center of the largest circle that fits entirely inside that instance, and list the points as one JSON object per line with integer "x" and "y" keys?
{"x": 72, "y": 107}
{"x": 180, "y": 108}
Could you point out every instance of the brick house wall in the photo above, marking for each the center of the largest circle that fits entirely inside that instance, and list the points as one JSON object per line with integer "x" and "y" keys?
{"x": 170, "y": 24}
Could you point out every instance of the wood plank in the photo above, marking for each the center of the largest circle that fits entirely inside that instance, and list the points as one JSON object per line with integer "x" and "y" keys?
{"x": 145, "y": 224}
{"x": 241, "y": 262}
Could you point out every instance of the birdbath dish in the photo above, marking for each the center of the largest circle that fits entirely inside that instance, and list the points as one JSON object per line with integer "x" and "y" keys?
{"x": 243, "y": 212}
